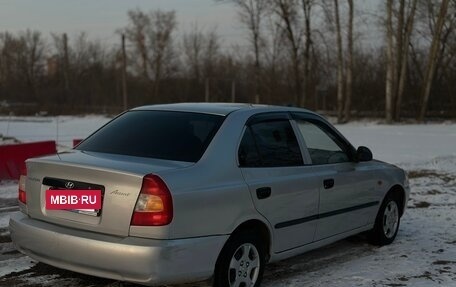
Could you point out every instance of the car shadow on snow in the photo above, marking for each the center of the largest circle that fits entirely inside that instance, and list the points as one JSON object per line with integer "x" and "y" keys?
{"x": 331, "y": 255}
{"x": 45, "y": 275}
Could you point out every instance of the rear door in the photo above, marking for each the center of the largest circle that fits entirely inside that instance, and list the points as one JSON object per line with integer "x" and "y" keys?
{"x": 281, "y": 185}
{"x": 347, "y": 187}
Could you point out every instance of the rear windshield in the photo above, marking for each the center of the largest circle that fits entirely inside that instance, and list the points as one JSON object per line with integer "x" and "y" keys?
{"x": 168, "y": 135}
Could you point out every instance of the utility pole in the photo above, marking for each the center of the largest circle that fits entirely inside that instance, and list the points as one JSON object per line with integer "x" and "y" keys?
{"x": 206, "y": 98}
{"x": 233, "y": 91}
{"x": 124, "y": 75}
{"x": 66, "y": 63}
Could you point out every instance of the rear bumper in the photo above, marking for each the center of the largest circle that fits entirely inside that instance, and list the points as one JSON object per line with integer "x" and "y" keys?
{"x": 139, "y": 260}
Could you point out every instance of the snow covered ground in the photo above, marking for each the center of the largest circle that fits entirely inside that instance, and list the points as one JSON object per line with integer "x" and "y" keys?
{"x": 62, "y": 129}
{"x": 403, "y": 144}
{"x": 423, "y": 255}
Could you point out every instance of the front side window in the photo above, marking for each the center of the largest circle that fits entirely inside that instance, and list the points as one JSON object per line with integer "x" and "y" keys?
{"x": 323, "y": 147}
{"x": 269, "y": 144}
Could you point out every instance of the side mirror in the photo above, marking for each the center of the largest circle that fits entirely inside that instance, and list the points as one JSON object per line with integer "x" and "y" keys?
{"x": 363, "y": 154}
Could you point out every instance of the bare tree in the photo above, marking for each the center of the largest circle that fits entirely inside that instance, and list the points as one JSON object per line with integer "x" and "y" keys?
{"x": 6, "y": 61}
{"x": 307, "y": 12}
{"x": 294, "y": 55}
{"x": 251, "y": 13}
{"x": 193, "y": 48}
{"x": 33, "y": 54}
{"x": 22, "y": 60}
{"x": 397, "y": 51}
{"x": 349, "y": 73}
{"x": 273, "y": 57}
{"x": 160, "y": 37}
{"x": 201, "y": 55}
{"x": 389, "y": 63}
{"x": 211, "y": 50}
{"x": 85, "y": 54}
{"x": 344, "y": 66}
{"x": 399, "y": 27}
{"x": 135, "y": 32}
{"x": 286, "y": 10}
{"x": 340, "y": 65}
{"x": 151, "y": 35}
{"x": 432, "y": 59}
{"x": 404, "y": 35}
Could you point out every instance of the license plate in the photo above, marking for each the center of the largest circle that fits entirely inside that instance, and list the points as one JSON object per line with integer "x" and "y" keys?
{"x": 59, "y": 184}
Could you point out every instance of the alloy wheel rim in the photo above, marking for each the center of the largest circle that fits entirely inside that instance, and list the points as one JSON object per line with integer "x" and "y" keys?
{"x": 390, "y": 219}
{"x": 244, "y": 266}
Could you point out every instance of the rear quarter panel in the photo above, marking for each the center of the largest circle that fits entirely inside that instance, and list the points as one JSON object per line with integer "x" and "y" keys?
{"x": 211, "y": 197}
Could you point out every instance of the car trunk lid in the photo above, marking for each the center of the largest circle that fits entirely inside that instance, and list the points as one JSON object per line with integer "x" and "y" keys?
{"x": 118, "y": 177}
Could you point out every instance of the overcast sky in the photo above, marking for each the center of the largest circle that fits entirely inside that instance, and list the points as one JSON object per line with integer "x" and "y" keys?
{"x": 101, "y": 18}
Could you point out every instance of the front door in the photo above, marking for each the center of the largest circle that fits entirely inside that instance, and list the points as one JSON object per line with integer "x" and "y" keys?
{"x": 347, "y": 188}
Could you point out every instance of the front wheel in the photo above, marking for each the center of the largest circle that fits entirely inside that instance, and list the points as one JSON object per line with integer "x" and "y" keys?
{"x": 241, "y": 262}
{"x": 387, "y": 222}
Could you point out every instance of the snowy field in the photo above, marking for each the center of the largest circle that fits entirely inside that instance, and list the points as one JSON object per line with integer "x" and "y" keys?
{"x": 423, "y": 255}
{"x": 62, "y": 129}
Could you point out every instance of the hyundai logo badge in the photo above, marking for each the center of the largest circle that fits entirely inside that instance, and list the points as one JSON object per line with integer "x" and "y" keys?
{"x": 69, "y": 185}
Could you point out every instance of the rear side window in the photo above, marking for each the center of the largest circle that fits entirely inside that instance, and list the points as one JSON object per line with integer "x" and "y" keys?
{"x": 269, "y": 144}
{"x": 168, "y": 135}
{"x": 248, "y": 152}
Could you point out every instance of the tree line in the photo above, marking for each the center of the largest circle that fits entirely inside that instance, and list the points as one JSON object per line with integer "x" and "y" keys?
{"x": 307, "y": 53}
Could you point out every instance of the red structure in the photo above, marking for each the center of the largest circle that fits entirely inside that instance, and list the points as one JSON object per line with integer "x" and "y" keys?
{"x": 12, "y": 157}
{"x": 76, "y": 142}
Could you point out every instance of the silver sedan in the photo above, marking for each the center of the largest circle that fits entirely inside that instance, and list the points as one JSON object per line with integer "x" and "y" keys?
{"x": 197, "y": 191}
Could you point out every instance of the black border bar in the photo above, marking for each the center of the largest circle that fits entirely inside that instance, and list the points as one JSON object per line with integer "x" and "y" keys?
{"x": 324, "y": 215}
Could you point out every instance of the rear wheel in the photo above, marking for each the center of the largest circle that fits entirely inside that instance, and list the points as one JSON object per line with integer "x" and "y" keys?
{"x": 387, "y": 221}
{"x": 241, "y": 262}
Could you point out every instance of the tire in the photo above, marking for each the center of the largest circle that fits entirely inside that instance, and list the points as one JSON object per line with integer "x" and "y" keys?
{"x": 387, "y": 221}
{"x": 241, "y": 262}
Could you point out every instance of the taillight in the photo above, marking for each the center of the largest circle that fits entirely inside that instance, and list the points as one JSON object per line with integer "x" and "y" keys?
{"x": 154, "y": 206}
{"x": 22, "y": 196}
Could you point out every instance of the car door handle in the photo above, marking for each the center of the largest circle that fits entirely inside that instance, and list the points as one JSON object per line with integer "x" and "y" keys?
{"x": 263, "y": 192}
{"x": 328, "y": 183}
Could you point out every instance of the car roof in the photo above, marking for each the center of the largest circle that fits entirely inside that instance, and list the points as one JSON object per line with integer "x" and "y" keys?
{"x": 217, "y": 108}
